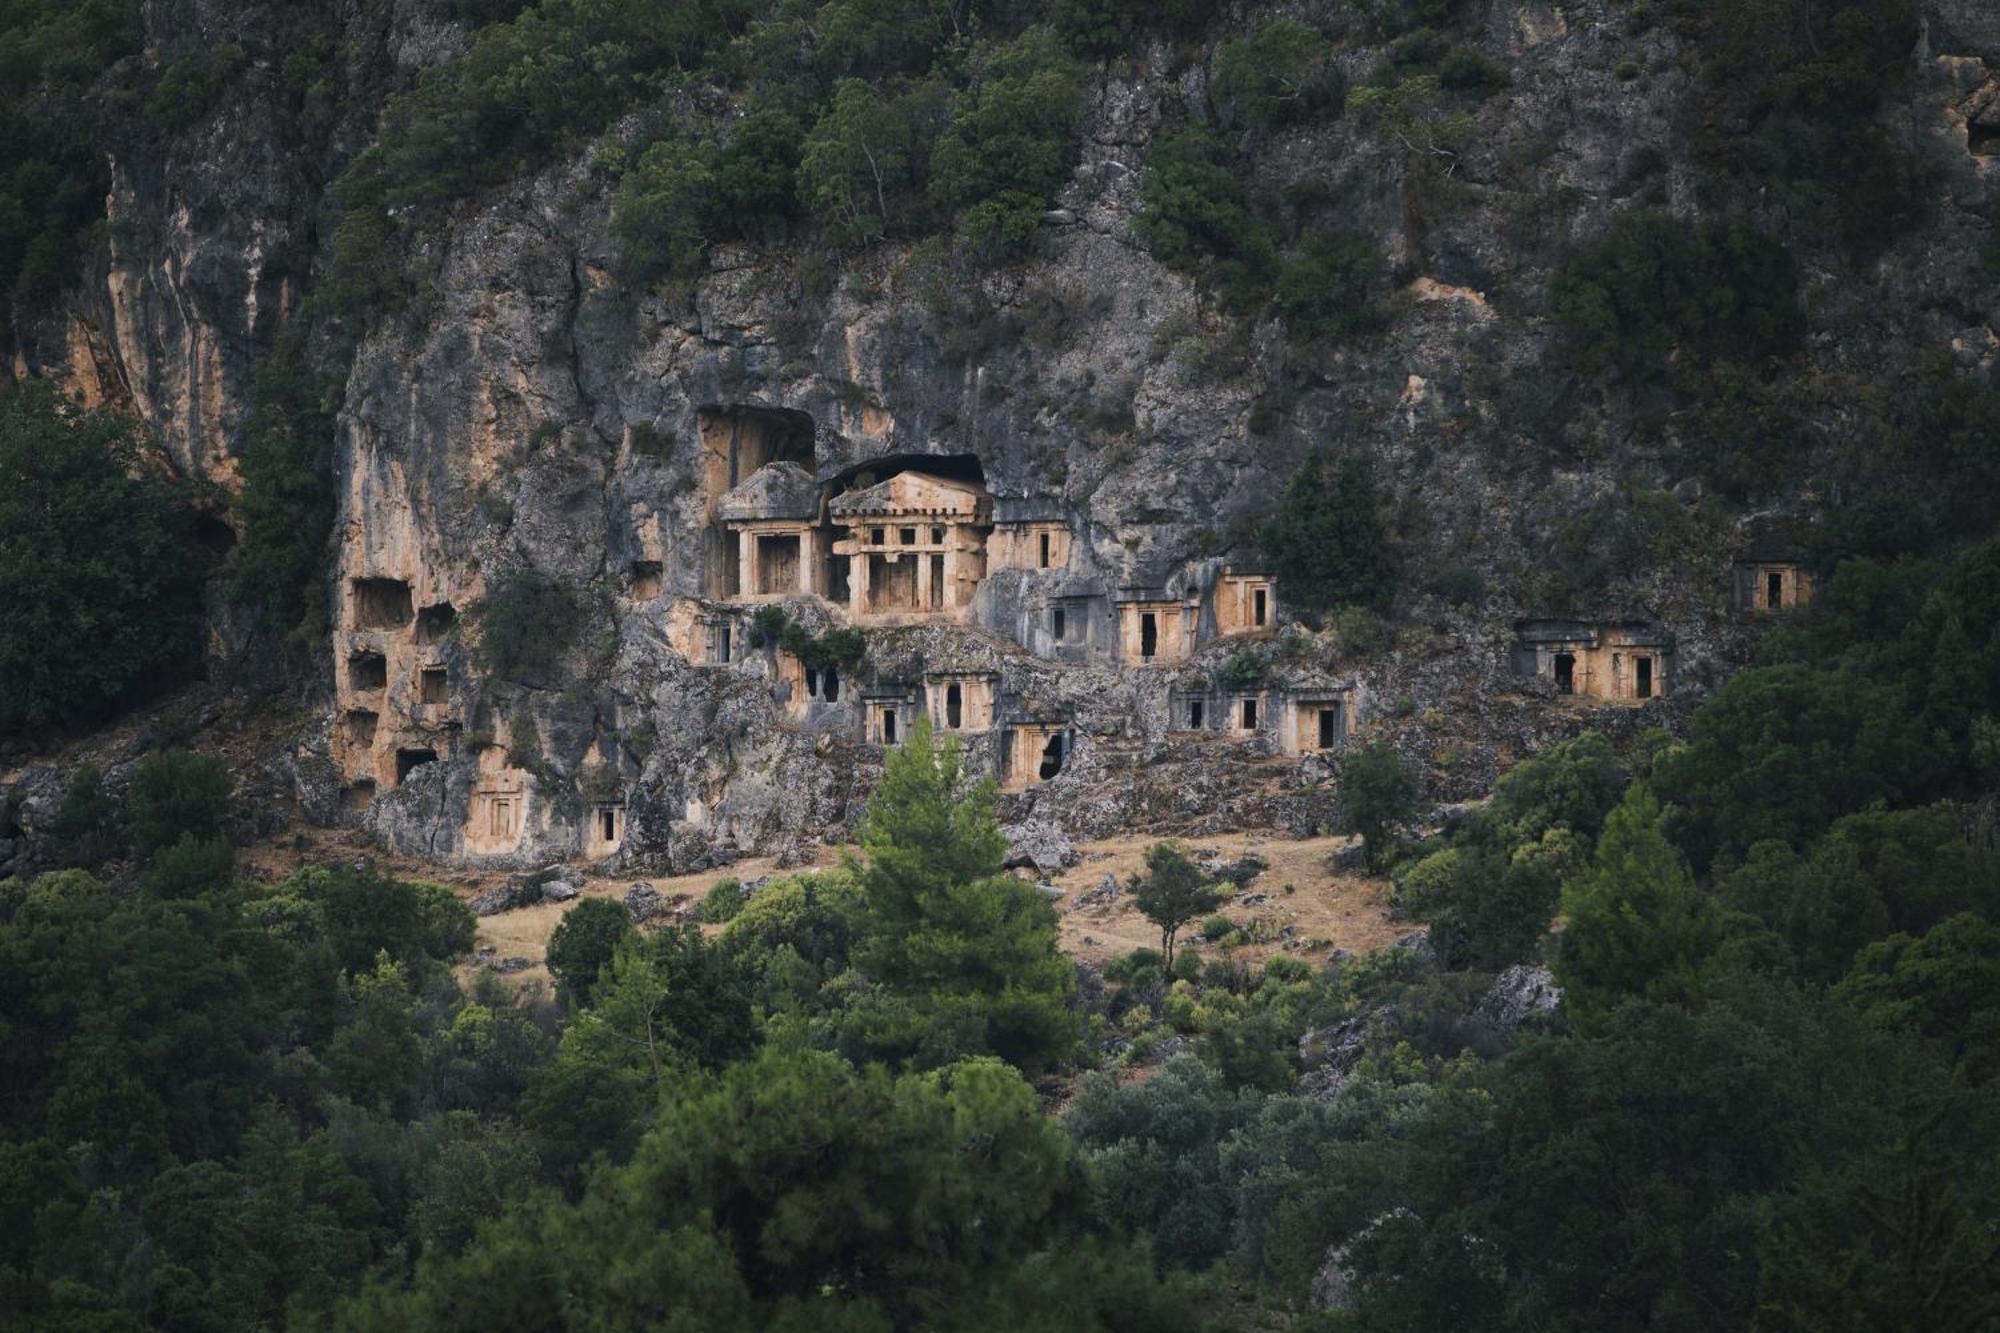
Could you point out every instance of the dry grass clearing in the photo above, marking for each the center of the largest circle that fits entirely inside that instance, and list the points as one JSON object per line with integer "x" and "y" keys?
{"x": 1329, "y": 910}
{"x": 1324, "y": 909}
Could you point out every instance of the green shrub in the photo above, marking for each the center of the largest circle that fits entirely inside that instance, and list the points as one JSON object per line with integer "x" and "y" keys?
{"x": 1280, "y": 74}
{"x": 1193, "y": 213}
{"x": 1243, "y": 670}
{"x": 583, "y": 943}
{"x": 1217, "y": 927}
{"x": 723, "y": 902}
{"x": 1329, "y": 293}
{"x": 176, "y": 792}
{"x": 660, "y": 215}
{"x": 100, "y": 564}
{"x": 528, "y": 622}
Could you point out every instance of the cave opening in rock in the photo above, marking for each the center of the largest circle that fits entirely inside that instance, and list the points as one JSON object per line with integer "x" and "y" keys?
{"x": 408, "y": 760}
{"x": 1260, "y": 607}
{"x": 645, "y": 580}
{"x": 737, "y": 439}
{"x": 1774, "y": 590}
{"x": 954, "y": 712}
{"x": 1195, "y": 711}
{"x": 832, "y": 682}
{"x": 1149, "y": 634}
{"x": 1565, "y": 673}
{"x": 433, "y": 686}
{"x": 1642, "y": 684}
{"x": 214, "y": 534}
{"x": 1249, "y": 715}
{"x": 367, "y": 671}
{"x": 888, "y": 726}
{"x": 382, "y": 603}
{"x": 1329, "y": 725}
{"x": 1054, "y": 753}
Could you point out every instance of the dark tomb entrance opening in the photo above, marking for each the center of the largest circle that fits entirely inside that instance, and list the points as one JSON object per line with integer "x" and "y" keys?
{"x": 1259, "y": 606}
{"x": 953, "y": 709}
{"x": 1643, "y": 686}
{"x": 1052, "y": 757}
{"x": 1329, "y": 727}
{"x": 1565, "y": 673}
{"x": 406, "y": 760}
{"x": 1774, "y": 590}
{"x": 1194, "y": 714}
{"x": 1149, "y": 634}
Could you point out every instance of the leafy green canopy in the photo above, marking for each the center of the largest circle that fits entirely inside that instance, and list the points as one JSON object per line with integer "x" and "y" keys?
{"x": 794, "y": 1192}
{"x": 101, "y": 567}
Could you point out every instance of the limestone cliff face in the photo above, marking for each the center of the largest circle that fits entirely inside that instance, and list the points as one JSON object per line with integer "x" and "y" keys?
{"x": 532, "y": 411}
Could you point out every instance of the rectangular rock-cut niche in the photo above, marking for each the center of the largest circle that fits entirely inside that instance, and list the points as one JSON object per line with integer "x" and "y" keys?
{"x": 645, "y": 580}
{"x": 435, "y": 623}
{"x": 382, "y": 604}
{"x": 361, "y": 727}
{"x": 433, "y": 686}
{"x": 367, "y": 671}
{"x": 606, "y": 831}
{"x": 359, "y": 794}
{"x": 407, "y": 761}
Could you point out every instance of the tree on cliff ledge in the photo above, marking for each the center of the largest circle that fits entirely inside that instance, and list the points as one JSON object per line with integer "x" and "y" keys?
{"x": 1326, "y": 542}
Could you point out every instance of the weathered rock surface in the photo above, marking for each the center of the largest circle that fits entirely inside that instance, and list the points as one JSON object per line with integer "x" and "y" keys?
{"x": 1518, "y": 995}
{"x": 1039, "y": 846}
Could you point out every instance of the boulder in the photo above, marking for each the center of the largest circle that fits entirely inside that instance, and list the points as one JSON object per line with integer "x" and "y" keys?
{"x": 516, "y": 892}
{"x": 1517, "y": 996}
{"x": 1049, "y": 891}
{"x": 561, "y": 890}
{"x": 1239, "y": 871}
{"x": 1349, "y": 860}
{"x": 1039, "y": 846}
{"x": 644, "y": 902}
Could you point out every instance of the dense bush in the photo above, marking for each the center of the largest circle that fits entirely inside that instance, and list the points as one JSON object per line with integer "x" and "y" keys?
{"x": 583, "y": 942}
{"x": 176, "y": 793}
{"x": 1279, "y": 74}
{"x": 1011, "y": 143}
{"x": 528, "y": 622}
{"x": 100, "y": 564}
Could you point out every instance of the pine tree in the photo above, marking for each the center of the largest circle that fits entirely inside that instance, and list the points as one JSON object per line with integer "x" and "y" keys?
{"x": 969, "y": 949}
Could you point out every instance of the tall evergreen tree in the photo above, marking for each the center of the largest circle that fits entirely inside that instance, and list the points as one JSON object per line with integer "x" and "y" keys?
{"x": 1327, "y": 542}
{"x": 968, "y": 951}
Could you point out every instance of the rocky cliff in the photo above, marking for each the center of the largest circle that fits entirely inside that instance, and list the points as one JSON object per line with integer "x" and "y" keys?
{"x": 534, "y": 413}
